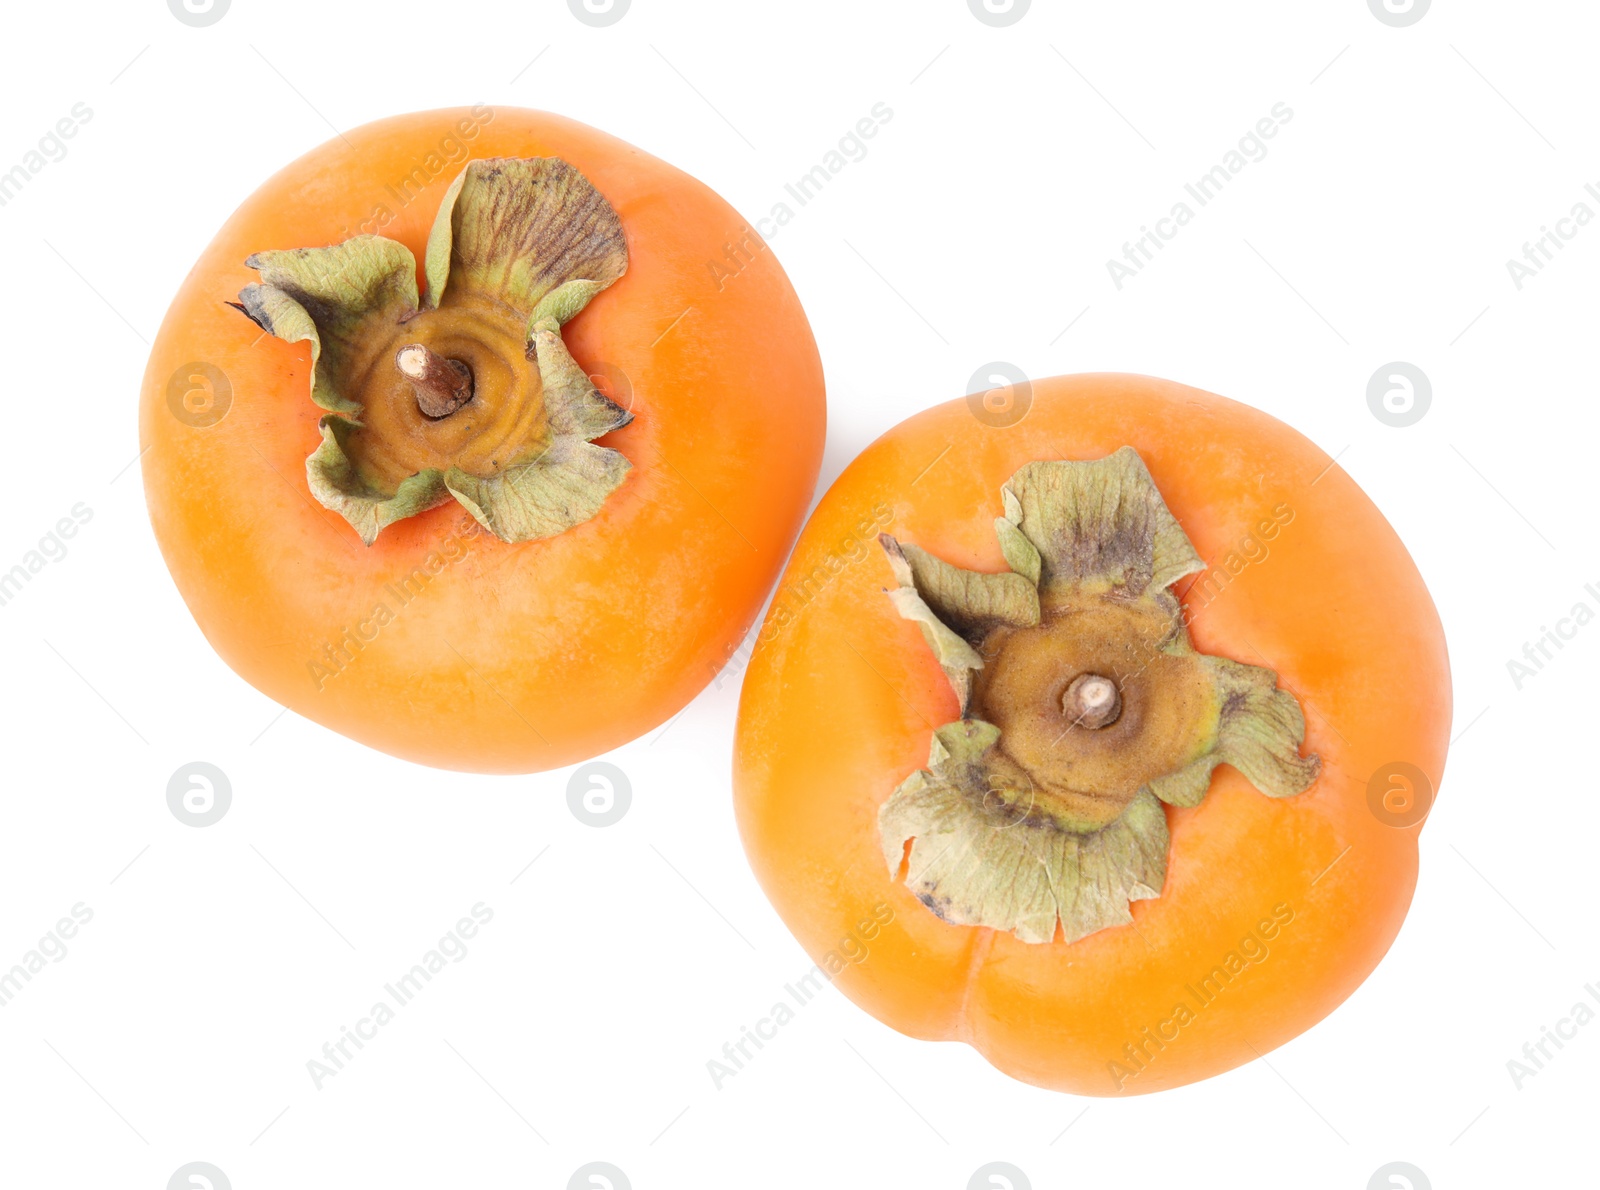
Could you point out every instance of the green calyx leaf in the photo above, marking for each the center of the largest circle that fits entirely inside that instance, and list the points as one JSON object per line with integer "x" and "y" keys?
{"x": 562, "y": 304}
{"x": 1020, "y": 554}
{"x": 1090, "y": 546}
{"x": 566, "y": 482}
{"x": 529, "y": 240}
{"x": 969, "y": 602}
{"x": 955, "y": 607}
{"x": 980, "y": 857}
{"x": 336, "y": 484}
{"x": 1260, "y": 729}
{"x": 545, "y": 495}
{"x": 332, "y": 297}
{"x": 520, "y": 229}
{"x": 1100, "y": 520}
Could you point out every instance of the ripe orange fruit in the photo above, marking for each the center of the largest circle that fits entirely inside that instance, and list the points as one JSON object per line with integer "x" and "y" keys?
{"x": 1125, "y": 717}
{"x": 551, "y": 455}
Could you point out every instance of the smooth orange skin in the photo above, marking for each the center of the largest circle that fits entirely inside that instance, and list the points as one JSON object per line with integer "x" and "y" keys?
{"x": 515, "y": 658}
{"x": 841, "y": 697}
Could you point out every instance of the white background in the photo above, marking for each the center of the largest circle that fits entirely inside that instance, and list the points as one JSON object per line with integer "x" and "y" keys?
{"x": 977, "y": 228}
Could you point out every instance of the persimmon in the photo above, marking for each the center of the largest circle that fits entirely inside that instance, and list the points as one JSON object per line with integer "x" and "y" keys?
{"x": 1125, "y": 715}
{"x": 479, "y": 436}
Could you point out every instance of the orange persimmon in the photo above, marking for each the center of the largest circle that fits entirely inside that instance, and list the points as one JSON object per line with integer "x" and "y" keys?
{"x": 479, "y": 436}
{"x": 1107, "y": 732}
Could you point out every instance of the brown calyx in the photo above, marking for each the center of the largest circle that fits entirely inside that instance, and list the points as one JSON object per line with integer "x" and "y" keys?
{"x": 1084, "y": 710}
{"x": 1091, "y": 707}
{"x": 404, "y": 429}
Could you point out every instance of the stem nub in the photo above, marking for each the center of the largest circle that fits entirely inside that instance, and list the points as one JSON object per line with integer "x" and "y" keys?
{"x": 442, "y": 385}
{"x": 1092, "y": 701}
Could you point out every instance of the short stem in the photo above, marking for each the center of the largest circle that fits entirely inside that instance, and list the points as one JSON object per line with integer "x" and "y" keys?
{"x": 442, "y": 385}
{"x": 1092, "y": 701}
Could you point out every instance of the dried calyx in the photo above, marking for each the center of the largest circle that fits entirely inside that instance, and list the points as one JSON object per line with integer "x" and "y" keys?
{"x": 469, "y": 392}
{"x": 1083, "y": 708}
